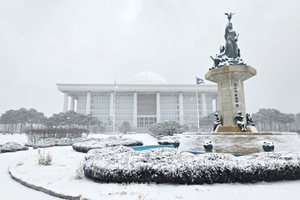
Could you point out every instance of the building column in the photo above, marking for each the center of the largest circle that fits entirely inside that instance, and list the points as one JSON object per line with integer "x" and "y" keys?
{"x": 65, "y": 107}
{"x": 77, "y": 105}
{"x": 111, "y": 106}
{"x": 203, "y": 106}
{"x": 88, "y": 103}
{"x": 72, "y": 103}
{"x": 181, "y": 115}
{"x": 158, "y": 114}
{"x": 134, "y": 123}
{"x": 217, "y": 104}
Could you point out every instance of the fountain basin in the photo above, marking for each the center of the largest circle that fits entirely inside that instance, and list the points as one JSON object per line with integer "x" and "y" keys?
{"x": 148, "y": 147}
{"x": 239, "y": 143}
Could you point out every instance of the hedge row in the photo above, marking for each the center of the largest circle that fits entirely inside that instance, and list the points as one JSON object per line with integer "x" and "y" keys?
{"x": 122, "y": 164}
{"x": 35, "y": 135}
{"x": 50, "y": 142}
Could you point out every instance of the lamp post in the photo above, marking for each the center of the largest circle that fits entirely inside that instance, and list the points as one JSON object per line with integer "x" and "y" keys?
{"x": 68, "y": 121}
{"x": 63, "y": 123}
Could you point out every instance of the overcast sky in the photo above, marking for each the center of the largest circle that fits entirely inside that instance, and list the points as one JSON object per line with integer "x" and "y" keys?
{"x": 47, "y": 42}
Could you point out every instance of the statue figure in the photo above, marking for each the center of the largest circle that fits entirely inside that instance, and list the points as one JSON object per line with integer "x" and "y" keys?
{"x": 239, "y": 121}
{"x": 207, "y": 145}
{"x": 220, "y": 59}
{"x": 231, "y": 38}
{"x": 249, "y": 120}
{"x": 217, "y": 122}
{"x": 229, "y": 54}
{"x": 176, "y": 143}
{"x": 268, "y": 146}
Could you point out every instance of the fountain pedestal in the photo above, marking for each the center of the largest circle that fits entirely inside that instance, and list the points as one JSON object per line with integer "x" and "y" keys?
{"x": 231, "y": 97}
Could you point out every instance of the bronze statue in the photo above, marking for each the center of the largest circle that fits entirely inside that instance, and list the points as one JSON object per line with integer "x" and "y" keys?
{"x": 249, "y": 120}
{"x": 217, "y": 122}
{"x": 231, "y": 37}
{"x": 239, "y": 121}
{"x": 220, "y": 58}
{"x": 229, "y": 54}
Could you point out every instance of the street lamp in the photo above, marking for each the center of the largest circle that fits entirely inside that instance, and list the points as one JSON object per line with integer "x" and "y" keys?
{"x": 63, "y": 123}
{"x": 68, "y": 121}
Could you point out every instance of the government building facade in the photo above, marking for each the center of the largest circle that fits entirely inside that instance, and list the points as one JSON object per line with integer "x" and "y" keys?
{"x": 141, "y": 99}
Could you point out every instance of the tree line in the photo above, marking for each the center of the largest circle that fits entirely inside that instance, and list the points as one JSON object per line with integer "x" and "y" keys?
{"x": 23, "y": 119}
{"x": 274, "y": 120}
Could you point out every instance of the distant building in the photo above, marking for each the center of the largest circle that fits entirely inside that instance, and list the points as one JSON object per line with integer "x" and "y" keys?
{"x": 141, "y": 99}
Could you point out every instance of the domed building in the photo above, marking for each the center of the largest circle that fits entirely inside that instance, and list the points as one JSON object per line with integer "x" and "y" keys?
{"x": 141, "y": 99}
{"x": 144, "y": 77}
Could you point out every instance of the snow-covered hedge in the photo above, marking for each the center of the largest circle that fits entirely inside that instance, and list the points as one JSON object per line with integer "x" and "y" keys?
{"x": 12, "y": 147}
{"x": 50, "y": 142}
{"x": 168, "y": 140}
{"x": 164, "y": 165}
{"x": 96, "y": 143}
{"x": 36, "y": 135}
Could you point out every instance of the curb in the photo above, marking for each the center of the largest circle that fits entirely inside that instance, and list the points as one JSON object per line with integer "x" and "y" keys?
{"x": 41, "y": 189}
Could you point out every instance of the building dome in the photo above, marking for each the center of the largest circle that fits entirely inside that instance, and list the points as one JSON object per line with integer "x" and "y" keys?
{"x": 144, "y": 77}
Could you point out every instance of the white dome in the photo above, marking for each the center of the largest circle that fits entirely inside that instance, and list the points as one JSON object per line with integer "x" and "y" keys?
{"x": 144, "y": 77}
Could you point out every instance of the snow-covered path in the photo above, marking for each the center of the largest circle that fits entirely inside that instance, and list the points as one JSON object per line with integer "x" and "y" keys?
{"x": 11, "y": 190}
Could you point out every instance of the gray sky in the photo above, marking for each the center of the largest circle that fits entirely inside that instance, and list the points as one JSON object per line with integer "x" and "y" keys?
{"x": 47, "y": 42}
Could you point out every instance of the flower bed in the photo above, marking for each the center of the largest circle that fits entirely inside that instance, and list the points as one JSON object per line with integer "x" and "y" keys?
{"x": 122, "y": 164}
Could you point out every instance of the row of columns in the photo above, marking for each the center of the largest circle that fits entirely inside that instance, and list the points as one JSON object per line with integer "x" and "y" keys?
{"x": 65, "y": 107}
{"x": 112, "y": 106}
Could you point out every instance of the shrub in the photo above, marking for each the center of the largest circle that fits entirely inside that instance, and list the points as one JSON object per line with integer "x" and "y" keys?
{"x": 79, "y": 172}
{"x": 44, "y": 159}
{"x": 167, "y": 128}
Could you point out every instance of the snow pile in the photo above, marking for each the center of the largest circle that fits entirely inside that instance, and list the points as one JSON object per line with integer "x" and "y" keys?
{"x": 122, "y": 164}
{"x": 50, "y": 142}
{"x": 12, "y": 147}
{"x": 96, "y": 143}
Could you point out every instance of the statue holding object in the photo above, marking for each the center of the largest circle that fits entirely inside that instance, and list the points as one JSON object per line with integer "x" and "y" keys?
{"x": 230, "y": 53}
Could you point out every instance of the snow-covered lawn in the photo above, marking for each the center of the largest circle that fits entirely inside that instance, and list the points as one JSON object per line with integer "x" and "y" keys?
{"x": 60, "y": 177}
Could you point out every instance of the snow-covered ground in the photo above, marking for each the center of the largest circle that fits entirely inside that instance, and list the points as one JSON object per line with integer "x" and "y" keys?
{"x": 59, "y": 177}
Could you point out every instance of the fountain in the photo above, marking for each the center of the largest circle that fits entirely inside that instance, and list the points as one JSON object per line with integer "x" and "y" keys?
{"x": 231, "y": 133}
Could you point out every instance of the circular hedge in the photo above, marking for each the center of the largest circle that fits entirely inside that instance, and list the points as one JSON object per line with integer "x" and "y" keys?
{"x": 12, "y": 147}
{"x": 96, "y": 143}
{"x": 122, "y": 164}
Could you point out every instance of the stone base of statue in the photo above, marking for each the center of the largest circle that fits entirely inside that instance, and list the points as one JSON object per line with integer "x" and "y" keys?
{"x": 234, "y": 129}
{"x": 231, "y": 97}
